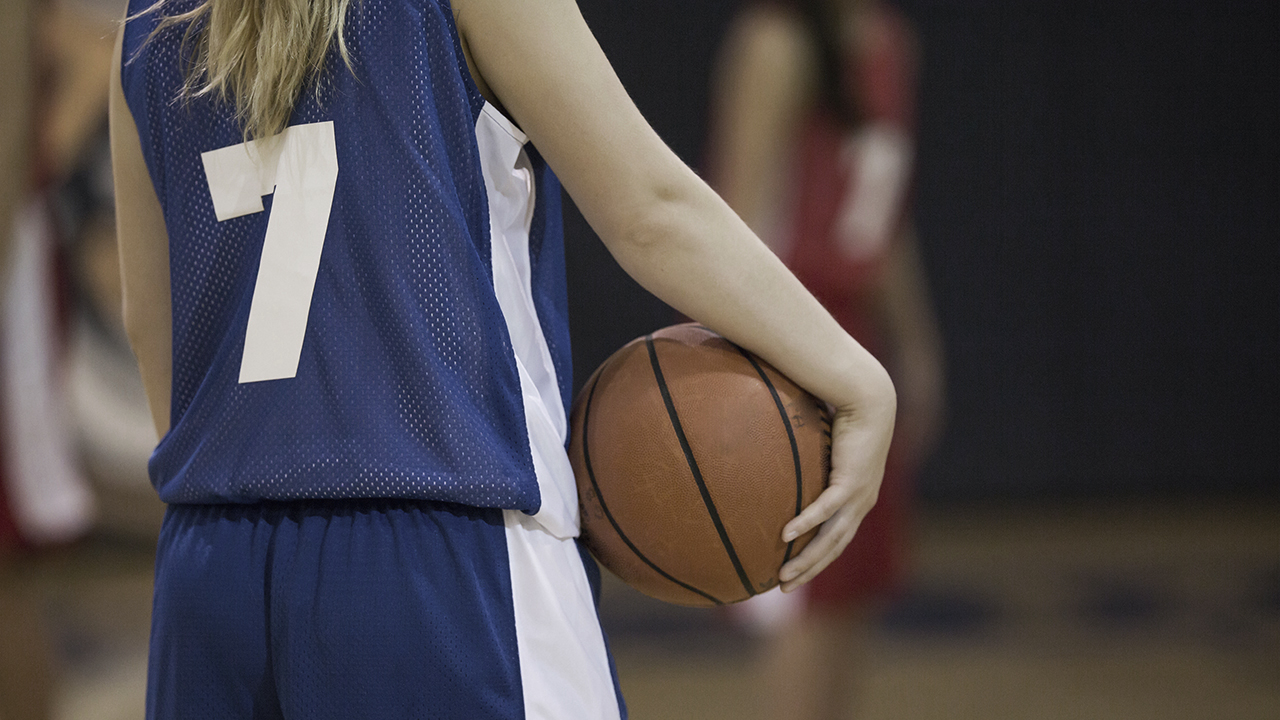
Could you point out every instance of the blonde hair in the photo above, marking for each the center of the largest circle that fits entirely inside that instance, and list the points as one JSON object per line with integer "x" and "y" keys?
{"x": 257, "y": 54}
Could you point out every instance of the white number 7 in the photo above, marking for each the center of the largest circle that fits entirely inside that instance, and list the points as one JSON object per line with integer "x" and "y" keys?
{"x": 300, "y": 165}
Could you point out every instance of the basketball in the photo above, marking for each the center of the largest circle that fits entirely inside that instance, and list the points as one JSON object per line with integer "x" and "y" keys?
{"x": 691, "y": 455}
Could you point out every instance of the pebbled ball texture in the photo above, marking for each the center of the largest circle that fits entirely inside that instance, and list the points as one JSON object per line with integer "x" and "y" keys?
{"x": 690, "y": 456}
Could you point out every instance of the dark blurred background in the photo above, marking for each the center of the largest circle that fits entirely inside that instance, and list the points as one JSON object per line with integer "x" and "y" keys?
{"x": 1098, "y": 204}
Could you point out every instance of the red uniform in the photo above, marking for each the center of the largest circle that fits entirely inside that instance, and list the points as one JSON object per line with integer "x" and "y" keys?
{"x": 850, "y": 203}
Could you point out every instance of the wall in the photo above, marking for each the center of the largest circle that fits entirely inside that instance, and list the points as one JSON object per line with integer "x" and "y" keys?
{"x": 1099, "y": 208}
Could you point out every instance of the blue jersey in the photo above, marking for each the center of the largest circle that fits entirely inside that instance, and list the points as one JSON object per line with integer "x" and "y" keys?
{"x": 370, "y": 304}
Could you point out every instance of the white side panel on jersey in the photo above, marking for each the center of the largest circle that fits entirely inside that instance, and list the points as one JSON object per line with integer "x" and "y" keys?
{"x": 508, "y": 178}
{"x": 300, "y": 165}
{"x": 564, "y": 666}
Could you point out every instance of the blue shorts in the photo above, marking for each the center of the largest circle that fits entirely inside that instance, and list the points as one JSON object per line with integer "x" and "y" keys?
{"x": 374, "y": 609}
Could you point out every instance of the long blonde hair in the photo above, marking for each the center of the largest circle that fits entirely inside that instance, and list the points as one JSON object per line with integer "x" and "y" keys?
{"x": 257, "y": 54}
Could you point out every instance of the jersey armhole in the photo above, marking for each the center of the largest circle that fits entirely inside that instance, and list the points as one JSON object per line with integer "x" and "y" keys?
{"x": 474, "y": 96}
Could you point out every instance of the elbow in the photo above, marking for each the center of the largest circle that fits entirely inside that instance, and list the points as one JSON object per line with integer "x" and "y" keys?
{"x": 657, "y": 224}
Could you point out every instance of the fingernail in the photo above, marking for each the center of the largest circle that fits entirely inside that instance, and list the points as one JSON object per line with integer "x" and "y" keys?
{"x": 789, "y": 535}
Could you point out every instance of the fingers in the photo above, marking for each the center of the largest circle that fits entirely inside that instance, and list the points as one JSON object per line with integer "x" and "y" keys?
{"x": 860, "y": 444}
{"x": 819, "y": 511}
{"x": 831, "y": 540}
{"x": 836, "y": 513}
{"x": 797, "y": 574}
{"x": 854, "y": 471}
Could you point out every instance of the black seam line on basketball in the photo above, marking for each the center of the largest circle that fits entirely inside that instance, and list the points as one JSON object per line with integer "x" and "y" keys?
{"x": 591, "y": 474}
{"x": 791, "y": 435}
{"x": 693, "y": 467}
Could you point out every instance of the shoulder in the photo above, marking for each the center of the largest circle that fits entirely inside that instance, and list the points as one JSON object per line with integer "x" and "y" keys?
{"x": 776, "y": 26}
{"x": 773, "y": 35}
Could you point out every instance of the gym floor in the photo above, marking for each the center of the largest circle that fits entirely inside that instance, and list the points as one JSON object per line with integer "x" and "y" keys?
{"x": 1105, "y": 612}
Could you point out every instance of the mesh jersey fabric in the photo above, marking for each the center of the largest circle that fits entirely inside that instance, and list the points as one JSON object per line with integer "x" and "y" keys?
{"x": 405, "y": 385}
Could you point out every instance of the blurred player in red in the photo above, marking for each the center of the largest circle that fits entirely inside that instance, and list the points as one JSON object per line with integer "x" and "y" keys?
{"x": 813, "y": 147}
{"x": 24, "y": 663}
{"x": 52, "y": 96}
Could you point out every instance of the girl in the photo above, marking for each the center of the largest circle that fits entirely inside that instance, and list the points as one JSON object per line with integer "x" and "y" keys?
{"x": 814, "y": 149}
{"x": 344, "y": 284}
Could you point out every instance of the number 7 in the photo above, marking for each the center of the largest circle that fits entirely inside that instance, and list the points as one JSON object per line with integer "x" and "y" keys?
{"x": 300, "y": 165}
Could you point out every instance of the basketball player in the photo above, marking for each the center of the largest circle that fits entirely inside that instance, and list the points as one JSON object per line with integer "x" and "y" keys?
{"x": 814, "y": 148}
{"x": 343, "y": 280}
{"x": 26, "y": 677}
{"x": 45, "y": 502}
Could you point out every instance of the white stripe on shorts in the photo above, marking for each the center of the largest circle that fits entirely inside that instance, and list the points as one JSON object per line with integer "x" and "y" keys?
{"x": 564, "y": 667}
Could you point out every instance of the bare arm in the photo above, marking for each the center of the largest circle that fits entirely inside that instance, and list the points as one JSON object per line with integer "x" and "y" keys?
{"x": 765, "y": 80}
{"x": 679, "y": 240}
{"x": 79, "y": 45}
{"x": 144, "y": 256}
{"x": 907, "y": 315}
{"x": 15, "y": 101}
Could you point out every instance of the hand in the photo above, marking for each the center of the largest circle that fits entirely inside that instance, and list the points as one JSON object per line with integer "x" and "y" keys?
{"x": 860, "y": 438}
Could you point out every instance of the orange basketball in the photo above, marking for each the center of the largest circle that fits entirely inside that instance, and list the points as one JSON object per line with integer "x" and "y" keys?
{"x": 691, "y": 454}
